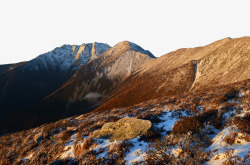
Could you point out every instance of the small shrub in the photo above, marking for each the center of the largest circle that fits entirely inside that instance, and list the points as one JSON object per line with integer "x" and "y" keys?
{"x": 160, "y": 152}
{"x": 78, "y": 149}
{"x": 246, "y": 116}
{"x": 117, "y": 152}
{"x": 89, "y": 157}
{"x": 229, "y": 156}
{"x": 151, "y": 117}
{"x": 87, "y": 143}
{"x": 187, "y": 124}
{"x": 79, "y": 137}
{"x": 152, "y": 135}
{"x": 230, "y": 138}
{"x": 247, "y": 138}
{"x": 114, "y": 119}
{"x": 207, "y": 116}
{"x": 242, "y": 124}
{"x": 117, "y": 148}
{"x": 65, "y": 135}
{"x": 230, "y": 95}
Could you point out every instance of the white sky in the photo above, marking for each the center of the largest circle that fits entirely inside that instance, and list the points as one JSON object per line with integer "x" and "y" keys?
{"x": 29, "y": 28}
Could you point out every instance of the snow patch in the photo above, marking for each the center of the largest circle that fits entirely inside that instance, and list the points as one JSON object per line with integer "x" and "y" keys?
{"x": 28, "y": 157}
{"x": 169, "y": 119}
{"x": 219, "y": 146}
{"x": 104, "y": 144}
{"x": 137, "y": 152}
{"x": 69, "y": 148}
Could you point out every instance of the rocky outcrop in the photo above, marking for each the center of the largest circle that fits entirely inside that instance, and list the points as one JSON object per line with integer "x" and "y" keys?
{"x": 124, "y": 129}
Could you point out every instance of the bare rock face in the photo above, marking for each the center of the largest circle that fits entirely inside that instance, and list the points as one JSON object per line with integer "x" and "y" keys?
{"x": 124, "y": 129}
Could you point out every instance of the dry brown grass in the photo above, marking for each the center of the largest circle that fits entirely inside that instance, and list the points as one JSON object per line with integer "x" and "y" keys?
{"x": 16, "y": 146}
{"x": 175, "y": 73}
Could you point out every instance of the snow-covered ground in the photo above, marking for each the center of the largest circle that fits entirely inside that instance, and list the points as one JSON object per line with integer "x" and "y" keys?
{"x": 137, "y": 148}
{"x": 137, "y": 151}
{"x": 69, "y": 148}
{"x": 241, "y": 148}
{"x": 169, "y": 118}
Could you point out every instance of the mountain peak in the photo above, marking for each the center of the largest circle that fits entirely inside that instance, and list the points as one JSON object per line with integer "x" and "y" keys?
{"x": 80, "y": 50}
{"x": 135, "y": 47}
{"x": 67, "y": 57}
{"x": 140, "y": 49}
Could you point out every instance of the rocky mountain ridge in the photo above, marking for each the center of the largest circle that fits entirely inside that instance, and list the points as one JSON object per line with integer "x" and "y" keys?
{"x": 67, "y": 58}
{"x": 26, "y": 83}
{"x": 222, "y": 62}
{"x": 126, "y": 75}
{"x": 96, "y": 77}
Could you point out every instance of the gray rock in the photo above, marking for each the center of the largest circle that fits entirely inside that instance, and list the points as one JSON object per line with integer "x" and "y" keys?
{"x": 124, "y": 129}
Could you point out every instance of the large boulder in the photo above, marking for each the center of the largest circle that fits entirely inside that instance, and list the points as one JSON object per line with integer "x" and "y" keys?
{"x": 124, "y": 129}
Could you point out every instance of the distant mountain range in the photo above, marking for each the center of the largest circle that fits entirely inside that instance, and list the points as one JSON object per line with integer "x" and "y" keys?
{"x": 73, "y": 80}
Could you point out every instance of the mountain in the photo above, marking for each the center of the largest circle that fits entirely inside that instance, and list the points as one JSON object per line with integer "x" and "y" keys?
{"x": 222, "y": 62}
{"x": 123, "y": 76}
{"x": 190, "y": 106}
{"x": 83, "y": 91}
{"x": 24, "y": 84}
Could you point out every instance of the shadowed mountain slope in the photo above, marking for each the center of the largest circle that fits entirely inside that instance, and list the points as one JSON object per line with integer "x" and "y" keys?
{"x": 24, "y": 84}
{"x": 85, "y": 89}
{"x": 8, "y": 67}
